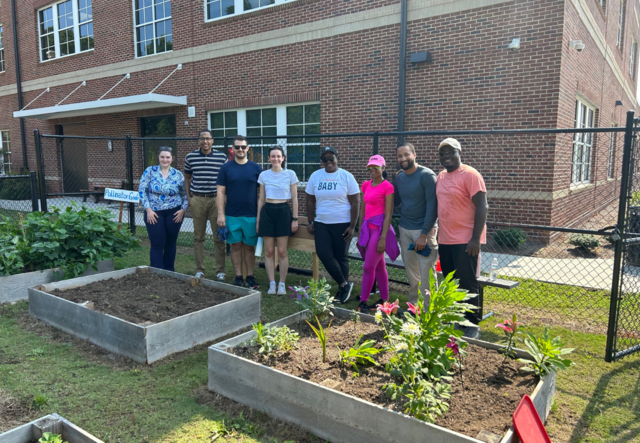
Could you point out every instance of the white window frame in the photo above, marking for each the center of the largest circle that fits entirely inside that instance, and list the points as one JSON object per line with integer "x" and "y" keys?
{"x": 281, "y": 126}
{"x": 5, "y": 166}
{"x": 582, "y": 152}
{"x": 153, "y": 22}
{"x": 56, "y": 30}
{"x": 2, "y": 61}
{"x": 238, "y": 5}
{"x": 620, "y": 25}
{"x": 632, "y": 59}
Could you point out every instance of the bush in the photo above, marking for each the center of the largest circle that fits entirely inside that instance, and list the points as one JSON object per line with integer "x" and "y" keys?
{"x": 509, "y": 238}
{"x": 15, "y": 189}
{"x": 584, "y": 241}
{"x": 72, "y": 239}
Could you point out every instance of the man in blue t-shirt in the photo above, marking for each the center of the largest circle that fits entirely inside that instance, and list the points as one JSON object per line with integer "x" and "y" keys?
{"x": 238, "y": 208}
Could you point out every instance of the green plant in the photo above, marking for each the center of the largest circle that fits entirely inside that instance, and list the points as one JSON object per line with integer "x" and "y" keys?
{"x": 360, "y": 354}
{"x": 315, "y": 297}
{"x": 322, "y": 336}
{"x": 273, "y": 339}
{"x": 48, "y": 437}
{"x": 40, "y": 400}
{"x": 546, "y": 353}
{"x": 584, "y": 241}
{"x": 511, "y": 328}
{"x": 510, "y": 237}
{"x": 36, "y": 352}
{"x": 427, "y": 400}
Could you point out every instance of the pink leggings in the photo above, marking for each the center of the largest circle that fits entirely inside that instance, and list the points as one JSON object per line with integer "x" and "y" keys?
{"x": 374, "y": 269}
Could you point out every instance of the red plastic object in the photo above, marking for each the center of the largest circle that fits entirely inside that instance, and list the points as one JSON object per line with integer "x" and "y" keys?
{"x": 528, "y": 425}
{"x": 438, "y": 268}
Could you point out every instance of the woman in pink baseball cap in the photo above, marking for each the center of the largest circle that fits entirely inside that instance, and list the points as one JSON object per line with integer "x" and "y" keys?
{"x": 376, "y": 233}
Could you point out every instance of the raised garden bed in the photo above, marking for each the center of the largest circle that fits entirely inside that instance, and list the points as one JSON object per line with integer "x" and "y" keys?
{"x": 14, "y": 287}
{"x": 198, "y": 312}
{"x": 53, "y": 423}
{"x": 302, "y": 394}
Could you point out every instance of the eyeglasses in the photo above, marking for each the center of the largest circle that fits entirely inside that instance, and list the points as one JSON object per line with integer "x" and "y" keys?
{"x": 243, "y": 147}
{"x": 448, "y": 153}
{"x": 373, "y": 168}
{"x": 329, "y": 158}
{"x": 205, "y": 139}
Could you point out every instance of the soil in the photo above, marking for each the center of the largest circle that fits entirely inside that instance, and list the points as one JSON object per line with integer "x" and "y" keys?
{"x": 14, "y": 412}
{"x": 490, "y": 395}
{"x": 146, "y": 297}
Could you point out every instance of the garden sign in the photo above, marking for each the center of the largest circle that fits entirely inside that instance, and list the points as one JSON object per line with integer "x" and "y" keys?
{"x": 121, "y": 196}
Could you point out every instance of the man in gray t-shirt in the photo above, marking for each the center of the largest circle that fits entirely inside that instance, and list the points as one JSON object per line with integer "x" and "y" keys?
{"x": 415, "y": 196}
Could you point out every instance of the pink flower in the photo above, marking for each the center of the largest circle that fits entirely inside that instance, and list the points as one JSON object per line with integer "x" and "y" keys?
{"x": 508, "y": 326}
{"x": 453, "y": 345}
{"x": 388, "y": 308}
{"x": 415, "y": 309}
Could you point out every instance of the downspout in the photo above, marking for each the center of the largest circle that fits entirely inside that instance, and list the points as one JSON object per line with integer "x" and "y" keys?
{"x": 16, "y": 58}
{"x": 402, "y": 71}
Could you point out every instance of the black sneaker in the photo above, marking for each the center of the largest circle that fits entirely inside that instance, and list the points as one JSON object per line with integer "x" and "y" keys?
{"x": 345, "y": 292}
{"x": 363, "y": 308}
{"x": 251, "y": 282}
{"x": 376, "y": 304}
{"x": 239, "y": 281}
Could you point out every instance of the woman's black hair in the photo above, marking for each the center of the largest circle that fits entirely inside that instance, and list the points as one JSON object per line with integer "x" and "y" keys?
{"x": 281, "y": 149}
{"x": 384, "y": 174}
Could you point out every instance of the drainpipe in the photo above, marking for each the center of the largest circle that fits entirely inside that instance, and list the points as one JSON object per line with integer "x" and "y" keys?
{"x": 16, "y": 58}
{"x": 402, "y": 72}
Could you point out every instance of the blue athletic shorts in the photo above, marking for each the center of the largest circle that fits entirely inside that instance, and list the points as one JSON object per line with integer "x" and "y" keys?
{"x": 242, "y": 229}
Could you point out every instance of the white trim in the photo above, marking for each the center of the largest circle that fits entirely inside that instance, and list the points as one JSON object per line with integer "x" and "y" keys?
{"x": 56, "y": 36}
{"x": 121, "y": 104}
{"x": 153, "y": 22}
{"x": 238, "y": 5}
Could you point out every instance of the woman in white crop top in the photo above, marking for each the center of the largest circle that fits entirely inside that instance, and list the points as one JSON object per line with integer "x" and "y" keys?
{"x": 276, "y": 222}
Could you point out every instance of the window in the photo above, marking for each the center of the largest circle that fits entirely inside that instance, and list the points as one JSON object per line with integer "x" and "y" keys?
{"x": 1, "y": 51}
{"x": 620, "y": 25}
{"x": 632, "y": 60}
{"x": 215, "y": 9}
{"x": 65, "y": 28}
{"x": 5, "y": 153}
{"x": 153, "y": 27}
{"x": 267, "y": 123}
{"x": 582, "y": 144}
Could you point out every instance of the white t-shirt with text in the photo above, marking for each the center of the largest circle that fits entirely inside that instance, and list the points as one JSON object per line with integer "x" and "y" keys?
{"x": 277, "y": 185}
{"x": 331, "y": 192}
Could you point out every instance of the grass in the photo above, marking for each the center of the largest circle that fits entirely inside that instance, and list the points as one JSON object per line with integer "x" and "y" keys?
{"x": 168, "y": 402}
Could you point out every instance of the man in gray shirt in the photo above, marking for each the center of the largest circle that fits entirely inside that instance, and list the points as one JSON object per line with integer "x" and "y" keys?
{"x": 415, "y": 195}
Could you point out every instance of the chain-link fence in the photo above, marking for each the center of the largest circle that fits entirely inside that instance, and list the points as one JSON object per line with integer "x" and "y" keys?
{"x": 16, "y": 196}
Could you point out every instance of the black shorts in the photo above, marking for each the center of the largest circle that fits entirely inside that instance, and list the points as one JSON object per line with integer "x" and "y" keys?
{"x": 275, "y": 220}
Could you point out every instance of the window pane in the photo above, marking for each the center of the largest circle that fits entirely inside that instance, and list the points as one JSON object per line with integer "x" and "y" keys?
{"x": 294, "y": 115}
{"x": 231, "y": 119}
{"x": 253, "y": 132}
{"x": 217, "y": 133}
{"x": 253, "y": 118}
{"x": 250, "y": 4}
{"x": 312, "y": 114}
{"x": 269, "y": 117}
{"x": 217, "y": 120}
{"x": 228, "y": 7}
{"x": 213, "y": 10}
{"x": 295, "y": 154}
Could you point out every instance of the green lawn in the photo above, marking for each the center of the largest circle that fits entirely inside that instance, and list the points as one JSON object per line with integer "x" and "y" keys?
{"x": 121, "y": 402}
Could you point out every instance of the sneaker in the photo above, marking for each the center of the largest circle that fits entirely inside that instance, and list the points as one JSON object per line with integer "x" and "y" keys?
{"x": 199, "y": 275}
{"x": 272, "y": 288}
{"x": 376, "y": 304}
{"x": 239, "y": 281}
{"x": 282, "y": 289}
{"x": 363, "y": 308}
{"x": 250, "y": 282}
{"x": 345, "y": 292}
{"x": 221, "y": 276}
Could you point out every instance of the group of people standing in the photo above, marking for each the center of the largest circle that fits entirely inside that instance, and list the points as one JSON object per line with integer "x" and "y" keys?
{"x": 441, "y": 215}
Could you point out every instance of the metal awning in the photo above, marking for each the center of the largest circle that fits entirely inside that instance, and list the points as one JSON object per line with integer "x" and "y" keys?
{"x": 108, "y": 106}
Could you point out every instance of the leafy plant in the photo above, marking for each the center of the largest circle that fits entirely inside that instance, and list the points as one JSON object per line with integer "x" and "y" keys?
{"x": 587, "y": 242}
{"x": 315, "y": 297}
{"x": 48, "y": 437}
{"x": 322, "y": 336}
{"x": 427, "y": 400}
{"x": 547, "y": 354}
{"x": 511, "y": 328}
{"x": 360, "y": 354}
{"x": 510, "y": 237}
{"x": 273, "y": 339}
{"x": 40, "y": 400}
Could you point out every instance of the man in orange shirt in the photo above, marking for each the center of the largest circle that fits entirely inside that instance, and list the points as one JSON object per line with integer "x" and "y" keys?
{"x": 462, "y": 217}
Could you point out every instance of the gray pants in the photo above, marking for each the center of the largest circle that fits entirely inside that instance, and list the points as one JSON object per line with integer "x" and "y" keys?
{"x": 416, "y": 265}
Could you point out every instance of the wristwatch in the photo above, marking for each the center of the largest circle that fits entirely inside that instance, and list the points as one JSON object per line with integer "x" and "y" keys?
{"x": 294, "y": 218}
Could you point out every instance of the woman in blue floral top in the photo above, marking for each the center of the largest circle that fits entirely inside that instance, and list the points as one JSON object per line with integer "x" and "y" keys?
{"x": 165, "y": 202}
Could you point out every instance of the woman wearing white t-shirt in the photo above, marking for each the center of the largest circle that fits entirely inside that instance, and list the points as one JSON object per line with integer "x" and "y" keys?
{"x": 333, "y": 204}
{"x": 275, "y": 222}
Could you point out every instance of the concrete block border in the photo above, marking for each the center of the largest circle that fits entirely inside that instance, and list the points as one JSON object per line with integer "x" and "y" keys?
{"x": 50, "y": 423}
{"x": 330, "y": 414}
{"x": 144, "y": 344}
{"x": 14, "y": 287}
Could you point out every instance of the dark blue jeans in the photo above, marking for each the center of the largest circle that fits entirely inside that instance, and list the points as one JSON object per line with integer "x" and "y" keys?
{"x": 163, "y": 235}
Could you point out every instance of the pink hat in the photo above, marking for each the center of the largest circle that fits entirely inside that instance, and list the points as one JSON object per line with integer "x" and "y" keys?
{"x": 376, "y": 160}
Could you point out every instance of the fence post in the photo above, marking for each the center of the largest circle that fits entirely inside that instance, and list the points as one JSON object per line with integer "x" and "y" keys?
{"x": 40, "y": 163}
{"x": 132, "y": 207}
{"x": 376, "y": 143}
{"x": 34, "y": 191}
{"x": 620, "y": 229}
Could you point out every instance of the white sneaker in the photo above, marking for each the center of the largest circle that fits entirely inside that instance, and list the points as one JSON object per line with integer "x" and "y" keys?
{"x": 199, "y": 274}
{"x": 282, "y": 290}
{"x": 272, "y": 288}
{"x": 222, "y": 276}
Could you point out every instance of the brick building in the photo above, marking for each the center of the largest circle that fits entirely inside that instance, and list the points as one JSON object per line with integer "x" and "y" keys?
{"x": 274, "y": 67}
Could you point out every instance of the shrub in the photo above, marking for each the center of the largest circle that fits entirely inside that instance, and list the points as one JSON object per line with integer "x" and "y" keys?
{"x": 15, "y": 189}
{"x": 71, "y": 239}
{"x": 584, "y": 241}
{"x": 509, "y": 238}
